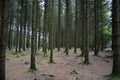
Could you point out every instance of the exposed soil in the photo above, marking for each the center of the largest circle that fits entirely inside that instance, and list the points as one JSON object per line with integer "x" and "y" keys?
{"x": 65, "y": 67}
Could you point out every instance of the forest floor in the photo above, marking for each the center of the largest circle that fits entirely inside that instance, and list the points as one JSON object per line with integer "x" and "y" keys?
{"x": 65, "y": 67}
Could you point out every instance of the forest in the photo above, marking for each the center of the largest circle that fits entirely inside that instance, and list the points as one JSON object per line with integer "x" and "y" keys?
{"x": 59, "y": 39}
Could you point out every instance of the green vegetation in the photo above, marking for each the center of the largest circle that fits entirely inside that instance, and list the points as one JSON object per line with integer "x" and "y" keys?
{"x": 74, "y": 72}
{"x": 32, "y": 70}
{"x": 51, "y": 62}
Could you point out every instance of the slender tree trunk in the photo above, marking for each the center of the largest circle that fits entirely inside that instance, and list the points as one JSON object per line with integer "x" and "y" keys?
{"x": 17, "y": 27}
{"x": 39, "y": 28}
{"x": 28, "y": 27}
{"x": 83, "y": 28}
{"x": 40, "y": 25}
{"x": 21, "y": 28}
{"x": 59, "y": 25}
{"x": 51, "y": 32}
{"x": 96, "y": 28}
{"x": 45, "y": 28}
{"x": 76, "y": 28}
{"x": 67, "y": 26}
{"x": 9, "y": 37}
{"x": 87, "y": 34}
{"x": 25, "y": 22}
{"x": 102, "y": 44}
{"x": 33, "y": 44}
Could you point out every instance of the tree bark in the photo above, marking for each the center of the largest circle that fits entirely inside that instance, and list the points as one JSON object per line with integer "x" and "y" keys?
{"x": 116, "y": 36}
{"x": 21, "y": 28}
{"x": 51, "y": 32}
{"x": 3, "y": 38}
{"x": 17, "y": 27}
{"x": 33, "y": 43}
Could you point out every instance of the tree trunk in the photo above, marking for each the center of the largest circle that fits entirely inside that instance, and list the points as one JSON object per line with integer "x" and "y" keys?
{"x": 76, "y": 26}
{"x": 9, "y": 37}
{"x": 28, "y": 27}
{"x": 33, "y": 44}
{"x": 45, "y": 28}
{"x": 17, "y": 27}
{"x": 87, "y": 34}
{"x": 67, "y": 26}
{"x": 21, "y": 28}
{"x": 116, "y": 36}
{"x": 51, "y": 32}
{"x": 59, "y": 25}
{"x": 96, "y": 27}
{"x": 83, "y": 29}
{"x": 3, "y": 38}
{"x": 25, "y": 22}
{"x": 39, "y": 28}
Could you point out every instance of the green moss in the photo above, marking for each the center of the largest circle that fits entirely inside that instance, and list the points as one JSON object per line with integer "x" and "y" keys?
{"x": 51, "y": 62}
{"x": 32, "y": 70}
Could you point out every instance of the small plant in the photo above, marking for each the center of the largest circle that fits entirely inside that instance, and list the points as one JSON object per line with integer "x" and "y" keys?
{"x": 74, "y": 72}
{"x": 17, "y": 56}
{"x": 51, "y": 62}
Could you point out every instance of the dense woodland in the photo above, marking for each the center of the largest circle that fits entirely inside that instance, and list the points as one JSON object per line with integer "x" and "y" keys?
{"x": 88, "y": 25}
